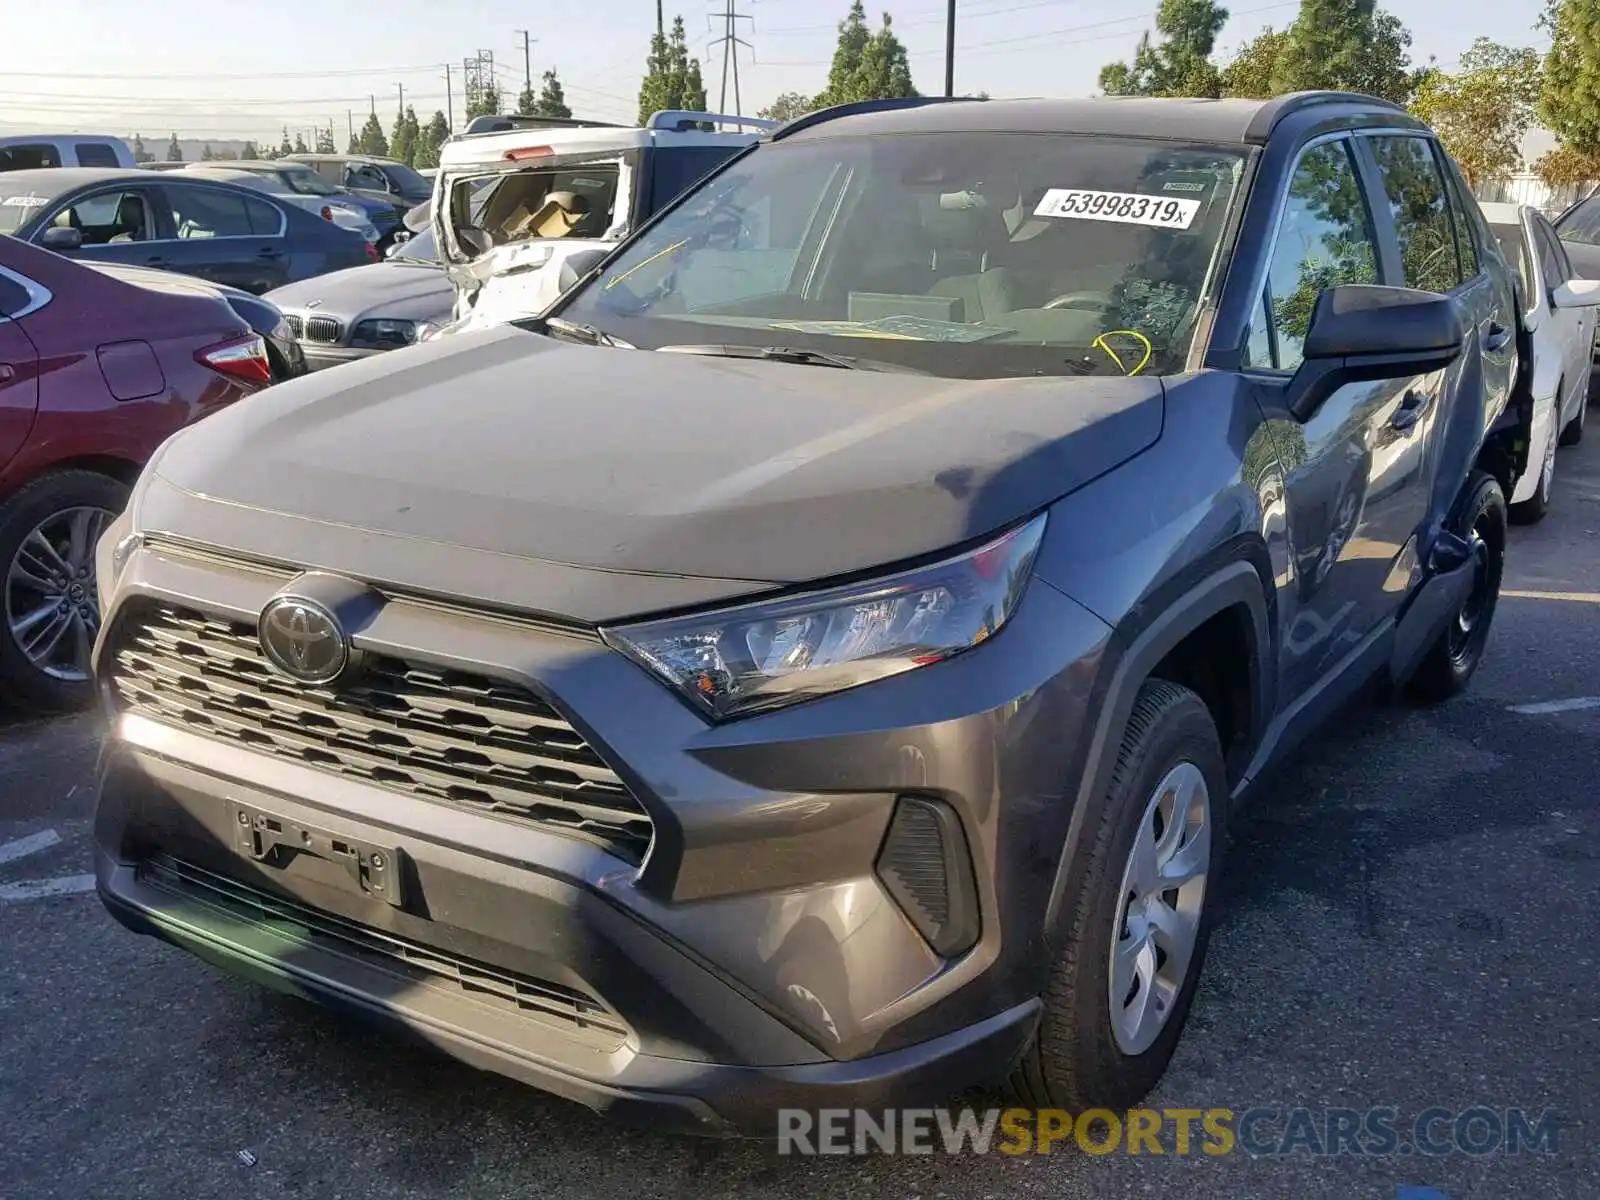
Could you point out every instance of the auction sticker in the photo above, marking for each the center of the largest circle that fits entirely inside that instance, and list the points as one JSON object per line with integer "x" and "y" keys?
{"x": 1130, "y": 208}
{"x": 29, "y": 201}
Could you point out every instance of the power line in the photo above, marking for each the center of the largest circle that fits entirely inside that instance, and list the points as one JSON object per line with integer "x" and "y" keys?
{"x": 163, "y": 75}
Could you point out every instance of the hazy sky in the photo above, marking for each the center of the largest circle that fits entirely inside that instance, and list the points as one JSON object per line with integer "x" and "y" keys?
{"x": 205, "y": 69}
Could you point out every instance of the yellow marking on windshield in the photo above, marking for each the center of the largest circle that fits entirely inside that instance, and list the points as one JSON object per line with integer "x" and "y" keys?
{"x": 641, "y": 266}
{"x": 1100, "y": 343}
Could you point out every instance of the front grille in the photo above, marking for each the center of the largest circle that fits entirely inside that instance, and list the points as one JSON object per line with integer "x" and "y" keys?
{"x": 542, "y": 1000}
{"x": 451, "y": 736}
{"x": 297, "y": 325}
{"x": 322, "y": 329}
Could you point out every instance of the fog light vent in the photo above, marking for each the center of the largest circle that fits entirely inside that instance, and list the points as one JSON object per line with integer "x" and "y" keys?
{"x": 927, "y": 868}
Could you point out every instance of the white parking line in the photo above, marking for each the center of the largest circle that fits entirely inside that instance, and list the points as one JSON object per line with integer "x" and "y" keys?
{"x": 1576, "y": 704}
{"x": 32, "y": 844}
{"x": 40, "y": 889}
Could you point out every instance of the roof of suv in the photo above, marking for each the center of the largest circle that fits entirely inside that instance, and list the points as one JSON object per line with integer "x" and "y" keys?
{"x": 1242, "y": 121}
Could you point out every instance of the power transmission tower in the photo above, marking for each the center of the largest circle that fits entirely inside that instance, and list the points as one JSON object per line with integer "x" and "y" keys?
{"x": 730, "y": 41}
{"x": 477, "y": 77}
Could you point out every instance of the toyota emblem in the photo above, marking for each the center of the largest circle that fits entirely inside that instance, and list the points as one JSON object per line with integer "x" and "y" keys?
{"x": 303, "y": 640}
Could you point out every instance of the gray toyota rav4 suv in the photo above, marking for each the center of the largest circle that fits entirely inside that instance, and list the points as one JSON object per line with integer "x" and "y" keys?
{"x": 815, "y": 663}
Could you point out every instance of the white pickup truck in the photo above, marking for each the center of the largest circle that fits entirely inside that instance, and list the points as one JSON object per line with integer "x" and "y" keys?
{"x": 516, "y": 196}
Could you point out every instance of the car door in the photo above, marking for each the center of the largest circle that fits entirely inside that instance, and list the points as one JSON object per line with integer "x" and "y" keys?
{"x": 117, "y": 224}
{"x": 1573, "y": 326}
{"x": 215, "y": 238}
{"x": 366, "y": 180}
{"x": 19, "y": 361}
{"x": 1354, "y": 470}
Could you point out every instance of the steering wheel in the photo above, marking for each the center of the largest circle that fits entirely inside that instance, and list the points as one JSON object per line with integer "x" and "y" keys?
{"x": 1094, "y": 301}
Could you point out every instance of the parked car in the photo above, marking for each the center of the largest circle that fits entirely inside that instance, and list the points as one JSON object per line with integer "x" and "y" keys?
{"x": 815, "y": 664}
{"x": 30, "y": 152}
{"x": 177, "y": 165}
{"x": 352, "y": 314}
{"x": 384, "y": 180}
{"x": 95, "y": 373}
{"x": 516, "y": 195}
{"x": 1558, "y": 333}
{"x": 1578, "y": 228}
{"x": 347, "y": 212}
{"x": 175, "y": 222}
{"x": 284, "y": 356}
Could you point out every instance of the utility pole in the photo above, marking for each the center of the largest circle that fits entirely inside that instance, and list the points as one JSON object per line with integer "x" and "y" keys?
{"x": 661, "y": 25}
{"x": 527, "y": 61}
{"x": 449, "y": 101}
{"x": 950, "y": 51}
{"x": 730, "y": 41}
{"x": 350, "y": 121}
{"x": 400, "y": 113}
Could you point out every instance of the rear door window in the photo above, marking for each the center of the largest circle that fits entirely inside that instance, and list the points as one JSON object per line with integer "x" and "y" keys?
{"x": 201, "y": 212}
{"x": 96, "y": 154}
{"x": 29, "y": 156}
{"x": 1415, "y": 188}
{"x": 265, "y": 219}
{"x": 106, "y": 218}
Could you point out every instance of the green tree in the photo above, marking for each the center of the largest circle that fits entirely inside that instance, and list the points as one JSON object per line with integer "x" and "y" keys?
{"x": 325, "y": 142}
{"x": 866, "y": 65}
{"x": 433, "y": 135}
{"x": 552, "y": 100}
{"x": 526, "y": 99}
{"x": 403, "y": 142}
{"x": 285, "y": 147}
{"x": 140, "y": 154}
{"x": 174, "y": 151}
{"x": 787, "y": 107}
{"x": 486, "y": 103}
{"x": 248, "y": 151}
{"x": 1250, "y": 73}
{"x": 300, "y": 146}
{"x": 1569, "y": 96}
{"x": 205, "y": 153}
{"x": 1180, "y": 64}
{"x": 371, "y": 139}
{"x": 1482, "y": 109}
{"x": 672, "y": 78}
{"x": 1349, "y": 46}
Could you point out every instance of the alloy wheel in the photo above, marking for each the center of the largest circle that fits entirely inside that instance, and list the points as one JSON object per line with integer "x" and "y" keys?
{"x": 1477, "y": 601}
{"x": 51, "y": 605}
{"x": 1158, "y": 914}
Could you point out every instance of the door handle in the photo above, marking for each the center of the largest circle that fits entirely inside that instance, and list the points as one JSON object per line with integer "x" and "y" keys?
{"x": 1410, "y": 411}
{"x": 155, "y": 261}
{"x": 271, "y": 252}
{"x": 1497, "y": 337}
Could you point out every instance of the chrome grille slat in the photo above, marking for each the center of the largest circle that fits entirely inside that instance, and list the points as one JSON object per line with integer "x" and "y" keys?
{"x": 444, "y": 735}
{"x": 325, "y": 330}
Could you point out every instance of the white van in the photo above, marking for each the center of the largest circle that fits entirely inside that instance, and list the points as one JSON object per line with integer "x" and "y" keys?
{"x": 511, "y": 202}
{"x": 29, "y": 152}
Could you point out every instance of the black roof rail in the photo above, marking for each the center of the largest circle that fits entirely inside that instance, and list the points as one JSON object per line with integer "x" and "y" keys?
{"x": 1279, "y": 108}
{"x": 507, "y": 122}
{"x": 863, "y": 106}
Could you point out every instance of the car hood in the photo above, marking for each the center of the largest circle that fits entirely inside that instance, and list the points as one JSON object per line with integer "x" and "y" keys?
{"x": 508, "y": 468}
{"x": 380, "y": 289}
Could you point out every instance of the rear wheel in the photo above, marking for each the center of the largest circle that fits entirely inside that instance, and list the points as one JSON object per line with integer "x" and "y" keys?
{"x": 1138, "y": 925}
{"x": 49, "y": 607}
{"x": 1450, "y": 663}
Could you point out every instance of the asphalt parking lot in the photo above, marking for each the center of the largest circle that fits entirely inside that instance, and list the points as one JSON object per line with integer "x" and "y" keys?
{"x": 1408, "y": 924}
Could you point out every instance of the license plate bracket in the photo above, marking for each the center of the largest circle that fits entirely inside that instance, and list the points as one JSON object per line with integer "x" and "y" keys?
{"x": 275, "y": 841}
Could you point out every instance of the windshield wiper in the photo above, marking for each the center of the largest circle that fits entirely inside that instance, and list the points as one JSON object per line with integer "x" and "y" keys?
{"x": 793, "y": 354}
{"x": 589, "y": 335}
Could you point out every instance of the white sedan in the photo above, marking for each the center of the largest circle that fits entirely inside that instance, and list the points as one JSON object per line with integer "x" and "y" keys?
{"x": 1558, "y": 321}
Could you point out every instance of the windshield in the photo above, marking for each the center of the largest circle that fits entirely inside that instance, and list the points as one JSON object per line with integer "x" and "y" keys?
{"x": 570, "y": 200}
{"x": 307, "y": 182}
{"x": 407, "y": 182}
{"x": 964, "y": 255}
{"x": 20, "y": 203}
{"x": 1581, "y": 224}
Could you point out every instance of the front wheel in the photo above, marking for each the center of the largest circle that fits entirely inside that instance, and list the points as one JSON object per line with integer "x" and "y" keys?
{"x": 1448, "y": 666}
{"x": 1137, "y": 928}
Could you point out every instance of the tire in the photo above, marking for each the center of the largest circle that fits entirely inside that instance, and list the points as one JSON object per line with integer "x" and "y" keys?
{"x": 1449, "y": 664}
{"x": 1573, "y": 433}
{"x": 54, "y": 503}
{"x": 1537, "y": 506}
{"x": 1078, "y": 1059}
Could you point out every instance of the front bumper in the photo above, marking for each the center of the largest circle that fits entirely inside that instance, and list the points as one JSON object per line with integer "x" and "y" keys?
{"x": 320, "y": 357}
{"x": 754, "y": 961}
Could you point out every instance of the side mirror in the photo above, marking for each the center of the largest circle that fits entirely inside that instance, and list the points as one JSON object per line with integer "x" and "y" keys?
{"x": 1577, "y": 293}
{"x": 576, "y": 265}
{"x": 62, "y": 237}
{"x": 1364, "y": 331}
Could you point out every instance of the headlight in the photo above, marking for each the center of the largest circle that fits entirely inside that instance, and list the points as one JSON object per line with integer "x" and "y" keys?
{"x": 764, "y": 656}
{"x": 384, "y": 334}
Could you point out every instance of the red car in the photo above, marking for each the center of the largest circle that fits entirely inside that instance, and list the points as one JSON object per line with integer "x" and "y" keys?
{"x": 95, "y": 373}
